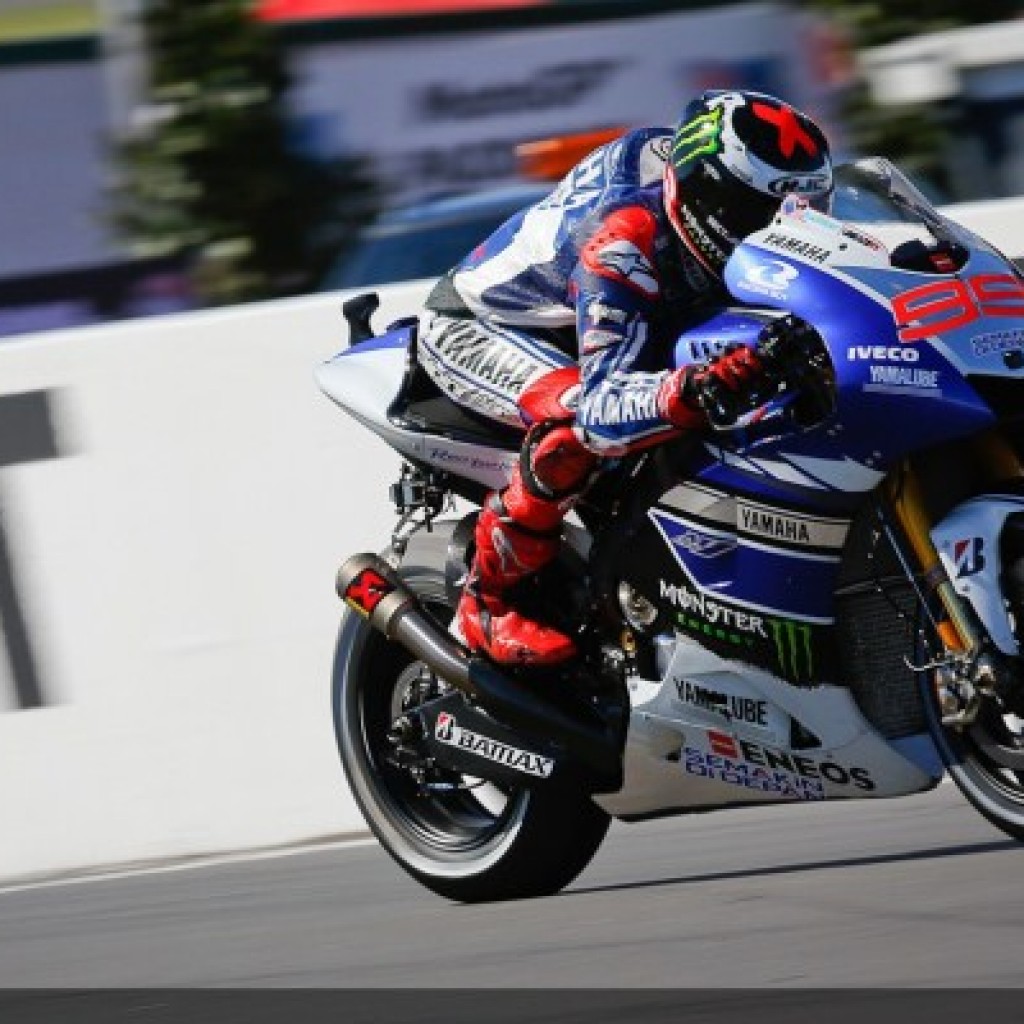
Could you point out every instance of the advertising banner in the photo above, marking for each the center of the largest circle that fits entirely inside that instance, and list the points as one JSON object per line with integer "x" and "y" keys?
{"x": 444, "y": 113}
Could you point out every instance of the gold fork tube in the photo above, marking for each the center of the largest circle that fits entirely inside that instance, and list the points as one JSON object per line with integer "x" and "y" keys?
{"x": 1000, "y": 462}
{"x": 905, "y": 497}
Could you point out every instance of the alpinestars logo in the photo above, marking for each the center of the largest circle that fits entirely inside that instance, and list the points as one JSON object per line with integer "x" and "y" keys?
{"x": 448, "y": 731}
{"x": 627, "y": 261}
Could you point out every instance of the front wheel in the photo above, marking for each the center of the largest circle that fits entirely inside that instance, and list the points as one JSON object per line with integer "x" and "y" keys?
{"x": 462, "y": 838}
{"x": 985, "y": 759}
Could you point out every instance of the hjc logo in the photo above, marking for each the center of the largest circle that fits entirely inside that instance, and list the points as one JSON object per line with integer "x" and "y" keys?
{"x": 968, "y": 557}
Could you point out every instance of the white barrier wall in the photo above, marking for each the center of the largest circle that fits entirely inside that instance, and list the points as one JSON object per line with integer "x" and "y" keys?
{"x": 175, "y": 496}
{"x": 173, "y": 555}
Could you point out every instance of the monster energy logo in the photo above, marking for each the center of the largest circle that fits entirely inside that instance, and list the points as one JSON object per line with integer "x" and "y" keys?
{"x": 700, "y": 136}
{"x": 691, "y": 625}
{"x": 793, "y": 649}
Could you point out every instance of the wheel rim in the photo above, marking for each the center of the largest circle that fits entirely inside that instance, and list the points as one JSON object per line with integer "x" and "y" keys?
{"x": 990, "y": 749}
{"x": 995, "y": 743}
{"x": 455, "y": 823}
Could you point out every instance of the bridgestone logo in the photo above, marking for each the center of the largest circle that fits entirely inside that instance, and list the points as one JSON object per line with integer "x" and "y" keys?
{"x": 448, "y": 731}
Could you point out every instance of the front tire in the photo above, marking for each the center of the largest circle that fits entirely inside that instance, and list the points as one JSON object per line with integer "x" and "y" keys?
{"x": 985, "y": 760}
{"x": 465, "y": 840}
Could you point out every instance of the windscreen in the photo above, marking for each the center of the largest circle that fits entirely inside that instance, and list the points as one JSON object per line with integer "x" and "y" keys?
{"x": 873, "y": 191}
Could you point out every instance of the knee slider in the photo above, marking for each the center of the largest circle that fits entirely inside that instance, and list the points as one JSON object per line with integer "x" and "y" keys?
{"x": 554, "y": 463}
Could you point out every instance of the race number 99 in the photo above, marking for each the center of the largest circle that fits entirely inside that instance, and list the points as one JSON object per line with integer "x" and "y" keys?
{"x": 945, "y": 305}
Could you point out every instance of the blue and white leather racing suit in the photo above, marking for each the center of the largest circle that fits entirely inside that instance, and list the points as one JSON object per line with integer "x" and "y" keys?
{"x": 594, "y": 275}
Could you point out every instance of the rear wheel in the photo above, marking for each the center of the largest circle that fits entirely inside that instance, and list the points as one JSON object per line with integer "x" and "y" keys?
{"x": 462, "y": 838}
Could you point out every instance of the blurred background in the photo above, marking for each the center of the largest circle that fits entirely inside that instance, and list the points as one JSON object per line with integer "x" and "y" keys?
{"x": 174, "y": 495}
{"x": 164, "y": 155}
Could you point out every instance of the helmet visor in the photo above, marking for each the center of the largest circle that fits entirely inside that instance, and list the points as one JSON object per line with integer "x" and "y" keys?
{"x": 730, "y": 209}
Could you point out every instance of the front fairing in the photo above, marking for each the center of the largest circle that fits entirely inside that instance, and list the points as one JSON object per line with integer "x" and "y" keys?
{"x": 908, "y": 346}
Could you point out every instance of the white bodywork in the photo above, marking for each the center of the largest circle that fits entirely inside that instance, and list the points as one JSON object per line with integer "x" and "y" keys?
{"x": 692, "y": 754}
{"x": 967, "y": 541}
{"x": 364, "y": 380}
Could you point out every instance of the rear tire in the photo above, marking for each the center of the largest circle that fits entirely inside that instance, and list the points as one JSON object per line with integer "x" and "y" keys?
{"x": 467, "y": 844}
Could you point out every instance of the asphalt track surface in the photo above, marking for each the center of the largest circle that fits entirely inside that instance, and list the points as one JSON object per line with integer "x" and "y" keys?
{"x": 913, "y": 892}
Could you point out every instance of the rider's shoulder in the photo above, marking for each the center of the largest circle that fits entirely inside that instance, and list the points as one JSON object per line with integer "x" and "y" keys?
{"x": 642, "y": 155}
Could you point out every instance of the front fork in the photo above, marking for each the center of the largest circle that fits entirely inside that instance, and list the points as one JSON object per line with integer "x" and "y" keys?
{"x": 969, "y": 667}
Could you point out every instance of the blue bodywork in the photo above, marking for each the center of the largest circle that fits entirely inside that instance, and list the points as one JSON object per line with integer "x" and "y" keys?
{"x": 893, "y": 398}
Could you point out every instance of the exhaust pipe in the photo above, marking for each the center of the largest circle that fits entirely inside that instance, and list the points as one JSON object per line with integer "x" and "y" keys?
{"x": 368, "y": 585}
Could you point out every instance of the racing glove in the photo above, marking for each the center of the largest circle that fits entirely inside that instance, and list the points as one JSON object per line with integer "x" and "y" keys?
{"x": 715, "y": 394}
{"x": 794, "y": 355}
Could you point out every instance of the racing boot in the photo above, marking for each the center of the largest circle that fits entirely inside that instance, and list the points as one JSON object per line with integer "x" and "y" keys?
{"x": 517, "y": 534}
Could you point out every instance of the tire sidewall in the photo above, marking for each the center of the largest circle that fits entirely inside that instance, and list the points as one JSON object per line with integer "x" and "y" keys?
{"x": 980, "y": 790}
{"x": 353, "y": 660}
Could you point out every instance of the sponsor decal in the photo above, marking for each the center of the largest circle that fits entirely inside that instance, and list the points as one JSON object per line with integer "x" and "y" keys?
{"x": 700, "y": 545}
{"x": 799, "y": 183}
{"x": 700, "y": 136}
{"x": 969, "y": 556}
{"x": 789, "y": 527}
{"x": 800, "y": 208}
{"x": 693, "y": 227}
{"x": 723, "y": 768}
{"x": 627, "y": 262}
{"x": 367, "y": 591}
{"x": 862, "y": 238}
{"x": 623, "y": 405}
{"x": 595, "y": 339}
{"x": 602, "y": 313}
{"x": 711, "y": 612}
{"x": 792, "y": 133}
{"x": 559, "y": 85}
{"x": 662, "y": 147}
{"x": 772, "y": 278}
{"x": 882, "y": 353}
{"x": 794, "y": 649}
{"x": 795, "y": 206}
{"x": 733, "y": 754}
{"x": 438, "y": 455}
{"x": 694, "y": 626}
{"x": 729, "y": 706}
{"x": 797, "y": 246}
{"x": 951, "y": 303}
{"x": 702, "y": 351}
{"x": 448, "y": 731}
{"x": 903, "y": 380}
{"x": 996, "y": 342}
{"x": 462, "y": 348}
{"x": 774, "y": 525}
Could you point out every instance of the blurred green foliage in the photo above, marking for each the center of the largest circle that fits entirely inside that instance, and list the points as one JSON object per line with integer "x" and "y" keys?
{"x": 883, "y": 21}
{"x": 916, "y": 137}
{"x": 211, "y": 170}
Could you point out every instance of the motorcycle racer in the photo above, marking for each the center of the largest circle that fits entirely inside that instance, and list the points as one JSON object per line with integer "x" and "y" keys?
{"x": 561, "y": 319}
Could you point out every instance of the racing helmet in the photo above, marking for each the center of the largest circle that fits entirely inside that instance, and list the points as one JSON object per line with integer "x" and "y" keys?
{"x": 734, "y": 156}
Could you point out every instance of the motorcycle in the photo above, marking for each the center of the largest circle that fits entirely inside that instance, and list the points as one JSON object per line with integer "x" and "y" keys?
{"x": 825, "y": 602}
